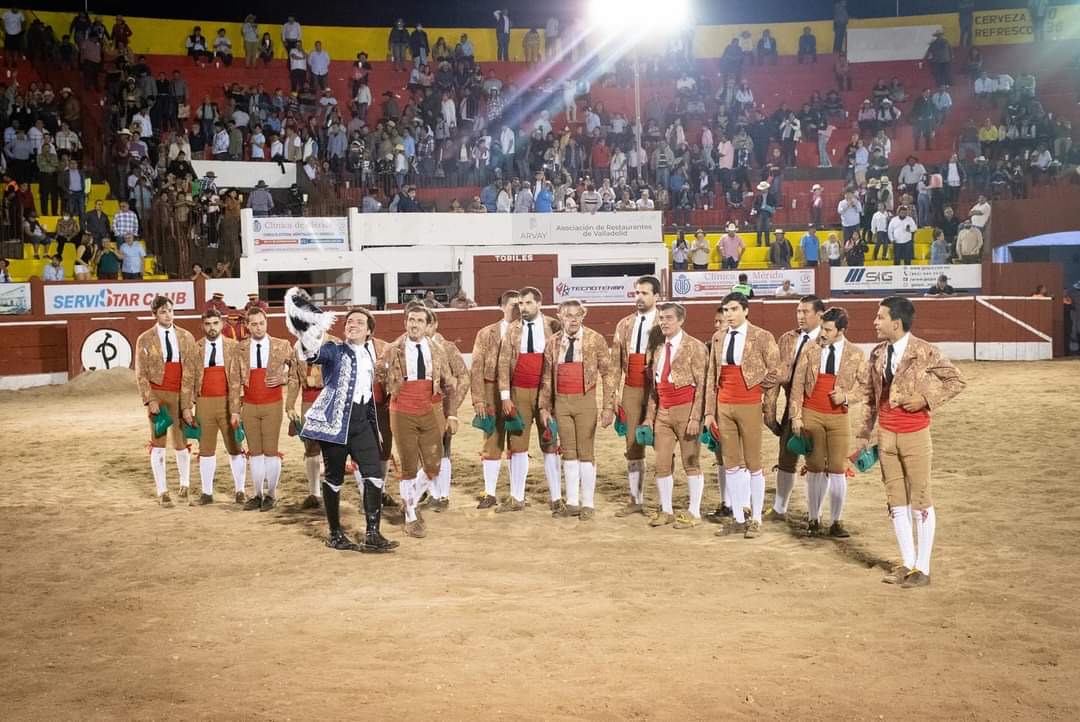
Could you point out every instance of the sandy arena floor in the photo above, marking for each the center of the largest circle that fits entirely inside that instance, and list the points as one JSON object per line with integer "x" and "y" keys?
{"x": 114, "y": 608}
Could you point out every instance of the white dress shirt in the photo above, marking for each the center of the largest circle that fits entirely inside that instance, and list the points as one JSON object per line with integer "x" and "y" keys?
{"x": 219, "y": 354}
{"x": 410, "y": 359}
{"x": 579, "y": 338}
{"x": 365, "y": 372}
{"x": 675, "y": 342}
{"x": 644, "y": 322}
{"x": 538, "y": 335}
{"x": 898, "y": 352}
{"x": 740, "y": 342}
{"x": 799, "y": 344}
{"x": 264, "y": 344}
{"x": 503, "y": 325}
{"x": 173, "y": 341}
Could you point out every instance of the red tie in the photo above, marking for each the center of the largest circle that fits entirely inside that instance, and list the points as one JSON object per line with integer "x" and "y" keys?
{"x": 665, "y": 371}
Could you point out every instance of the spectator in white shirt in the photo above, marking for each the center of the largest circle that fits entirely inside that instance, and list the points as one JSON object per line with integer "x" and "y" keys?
{"x": 319, "y": 65}
{"x": 980, "y": 217}
{"x": 223, "y": 48}
{"x": 645, "y": 203}
{"x": 13, "y": 34}
{"x": 291, "y": 33}
{"x": 54, "y": 271}
{"x": 220, "y": 147}
{"x": 297, "y": 67}
{"x": 67, "y": 140}
{"x": 879, "y": 232}
{"x": 902, "y": 234}
{"x": 984, "y": 86}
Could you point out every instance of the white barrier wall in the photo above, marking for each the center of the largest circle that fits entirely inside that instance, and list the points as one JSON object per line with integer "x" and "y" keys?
{"x": 872, "y": 45}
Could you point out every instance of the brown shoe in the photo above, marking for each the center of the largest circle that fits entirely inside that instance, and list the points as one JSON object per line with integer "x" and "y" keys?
{"x": 837, "y": 531}
{"x": 896, "y": 576}
{"x": 753, "y": 530}
{"x": 310, "y": 502}
{"x": 631, "y": 508}
{"x": 203, "y": 500}
{"x": 267, "y": 503}
{"x": 415, "y": 529}
{"x": 722, "y": 515}
{"x": 557, "y": 507}
{"x": 566, "y": 511}
{"x": 253, "y": 504}
{"x": 440, "y": 505}
{"x": 773, "y": 515}
{"x": 813, "y": 527}
{"x": 511, "y": 504}
{"x": 487, "y": 502}
{"x": 684, "y": 520}
{"x": 183, "y": 493}
{"x": 239, "y": 497}
{"x": 165, "y": 501}
{"x": 660, "y": 518}
{"x": 586, "y": 513}
{"x": 732, "y": 529}
{"x": 915, "y": 579}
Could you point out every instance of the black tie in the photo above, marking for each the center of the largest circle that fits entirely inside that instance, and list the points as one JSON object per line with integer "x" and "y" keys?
{"x": 258, "y": 356}
{"x": 640, "y": 330}
{"x": 888, "y": 366}
{"x": 731, "y": 350}
{"x": 569, "y": 351}
{"x": 421, "y": 370}
{"x": 802, "y": 342}
{"x": 529, "y": 347}
{"x": 213, "y": 355}
{"x": 830, "y": 362}
{"x": 168, "y": 349}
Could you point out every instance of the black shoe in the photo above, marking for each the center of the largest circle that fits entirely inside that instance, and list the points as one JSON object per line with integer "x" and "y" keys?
{"x": 837, "y": 531}
{"x": 253, "y": 503}
{"x": 487, "y": 502}
{"x": 338, "y": 540}
{"x": 389, "y": 501}
{"x": 376, "y": 543}
{"x": 204, "y": 499}
{"x": 310, "y": 502}
{"x": 813, "y": 528}
{"x": 267, "y": 503}
{"x": 722, "y": 512}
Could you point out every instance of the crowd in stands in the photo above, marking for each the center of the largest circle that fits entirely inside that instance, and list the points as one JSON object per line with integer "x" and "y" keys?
{"x": 548, "y": 147}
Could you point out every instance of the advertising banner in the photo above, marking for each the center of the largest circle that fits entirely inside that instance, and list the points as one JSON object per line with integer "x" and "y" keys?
{"x": 14, "y": 298}
{"x": 704, "y": 284}
{"x": 284, "y": 234}
{"x": 1013, "y": 25}
{"x": 115, "y": 297}
{"x": 596, "y": 289}
{"x": 904, "y": 278}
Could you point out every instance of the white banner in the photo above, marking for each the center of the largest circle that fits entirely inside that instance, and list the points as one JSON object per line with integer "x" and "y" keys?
{"x": 276, "y": 234}
{"x": 14, "y": 298}
{"x": 904, "y": 278}
{"x": 562, "y": 228}
{"x": 868, "y": 45}
{"x": 596, "y": 288}
{"x": 115, "y": 296}
{"x": 699, "y": 284}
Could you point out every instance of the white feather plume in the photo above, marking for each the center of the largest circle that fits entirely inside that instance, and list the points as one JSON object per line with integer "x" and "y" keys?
{"x": 305, "y": 320}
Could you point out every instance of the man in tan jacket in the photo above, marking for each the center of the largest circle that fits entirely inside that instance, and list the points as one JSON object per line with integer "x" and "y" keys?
{"x": 792, "y": 343}
{"x": 521, "y": 363}
{"x": 744, "y": 362}
{"x": 440, "y": 487}
{"x": 634, "y": 335}
{"x": 825, "y": 383}
{"x": 265, "y": 370}
{"x": 485, "y": 394}
{"x": 907, "y": 378}
{"x": 165, "y": 361}
{"x": 217, "y": 405}
{"x": 416, "y": 374}
{"x": 676, "y": 400}
{"x": 576, "y": 360}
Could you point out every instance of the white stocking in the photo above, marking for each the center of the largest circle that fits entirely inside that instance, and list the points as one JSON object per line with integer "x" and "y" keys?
{"x": 207, "y": 468}
{"x": 572, "y": 474}
{"x": 157, "y": 465}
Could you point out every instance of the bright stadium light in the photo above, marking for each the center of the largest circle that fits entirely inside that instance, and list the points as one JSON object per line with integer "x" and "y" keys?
{"x": 645, "y": 16}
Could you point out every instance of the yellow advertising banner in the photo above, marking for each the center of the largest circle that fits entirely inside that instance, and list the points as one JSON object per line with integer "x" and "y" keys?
{"x": 1008, "y": 27}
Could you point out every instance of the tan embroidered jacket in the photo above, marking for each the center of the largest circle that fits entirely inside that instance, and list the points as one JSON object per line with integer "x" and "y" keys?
{"x": 689, "y": 366}
{"x": 510, "y": 347}
{"x": 592, "y": 351}
{"x": 485, "y": 359}
{"x": 922, "y": 371}
{"x": 622, "y": 345}
{"x": 760, "y": 364}
{"x": 391, "y": 371}
{"x": 852, "y": 368}
{"x": 280, "y": 363}
{"x": 230, "y": 350}
{"x": 150, "y": 364}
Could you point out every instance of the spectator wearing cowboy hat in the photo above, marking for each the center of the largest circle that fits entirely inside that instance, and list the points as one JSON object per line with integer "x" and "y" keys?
{"x": 764, "y": 207}
{"x": 260, "y": 201}
{"x": 731, "y": 248}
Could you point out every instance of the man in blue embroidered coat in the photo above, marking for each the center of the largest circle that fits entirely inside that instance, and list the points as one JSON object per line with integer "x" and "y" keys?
{"x": 342, "y": 419}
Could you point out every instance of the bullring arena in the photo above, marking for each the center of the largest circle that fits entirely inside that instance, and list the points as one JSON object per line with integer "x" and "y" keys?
{"x": 120, "y": 602}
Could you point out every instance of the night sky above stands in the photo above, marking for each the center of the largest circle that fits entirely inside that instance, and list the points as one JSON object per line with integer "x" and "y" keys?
{"x": 477, "y": 13}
